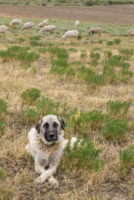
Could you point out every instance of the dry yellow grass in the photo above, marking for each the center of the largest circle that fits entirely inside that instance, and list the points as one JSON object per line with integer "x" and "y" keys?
{"x": 17, "y": 181}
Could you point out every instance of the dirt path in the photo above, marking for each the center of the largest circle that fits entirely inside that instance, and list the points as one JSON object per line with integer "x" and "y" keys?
{"x": 109, "y": 14}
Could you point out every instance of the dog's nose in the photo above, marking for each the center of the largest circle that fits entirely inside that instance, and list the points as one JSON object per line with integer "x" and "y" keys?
{"x": 51, "y": 134}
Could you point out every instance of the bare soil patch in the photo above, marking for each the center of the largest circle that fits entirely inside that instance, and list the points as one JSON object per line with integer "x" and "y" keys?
{"x": 108, "y": 14}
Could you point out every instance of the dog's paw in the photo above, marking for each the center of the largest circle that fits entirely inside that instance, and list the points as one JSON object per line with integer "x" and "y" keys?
{"x": 38, "y": 180}
{"x": 54, "y": 182}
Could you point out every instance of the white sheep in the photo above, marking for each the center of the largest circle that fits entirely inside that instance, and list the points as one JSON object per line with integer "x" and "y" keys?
{"x": 48, "y": 28}
{"x": 3, "y": 29}
{"x": 94, "y": 31}
{"x": 46, "y": 22}
{"x": 131, "y": 33}
{"x": 15, "y": 21}
{"x": 70, "y": 34}
{"x": 28, "y": 25}
{"x": 77, "y": 23}
{"x": 42, "y": 24}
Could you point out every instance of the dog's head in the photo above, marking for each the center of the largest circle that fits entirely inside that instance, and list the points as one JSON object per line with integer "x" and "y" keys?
{"x": 51, "y": 129}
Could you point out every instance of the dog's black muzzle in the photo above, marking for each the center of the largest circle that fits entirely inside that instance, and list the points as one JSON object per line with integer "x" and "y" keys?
{"x": 51, "y": 136}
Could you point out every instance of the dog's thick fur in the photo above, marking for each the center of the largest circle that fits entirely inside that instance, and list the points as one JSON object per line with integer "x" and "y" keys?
{"x": 46, "y": 145}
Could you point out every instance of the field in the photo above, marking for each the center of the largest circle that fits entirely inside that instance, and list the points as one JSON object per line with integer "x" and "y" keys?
{"x": 89, "y": 83}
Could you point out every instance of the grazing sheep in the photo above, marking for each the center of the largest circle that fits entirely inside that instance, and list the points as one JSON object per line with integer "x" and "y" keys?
{"x": 70, "y": 34}
{"x": 3, "y": 29}
{"x": 42, "y": 24}
{"x": 28, "y": 25}
{"x": 95, "y": 30}
{"x": 77, "y": 23}
{"x": 131, "y": 33}
{"x": 45, "y": 22}
{"x": 48, "y": 28}
{"x": 15, "y": 21}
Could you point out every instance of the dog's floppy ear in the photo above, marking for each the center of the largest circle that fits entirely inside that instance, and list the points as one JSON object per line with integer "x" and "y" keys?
{"x": 37, "y": 126}
{"x": 62, "y": 122}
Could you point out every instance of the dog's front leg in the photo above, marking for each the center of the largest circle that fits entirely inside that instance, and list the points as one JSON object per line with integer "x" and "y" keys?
{"x": 48, "y": 173}
{"x": 39, "y": 168}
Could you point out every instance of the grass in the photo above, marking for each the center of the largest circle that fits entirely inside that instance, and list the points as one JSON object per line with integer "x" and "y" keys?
{"x": 96, "y": 101}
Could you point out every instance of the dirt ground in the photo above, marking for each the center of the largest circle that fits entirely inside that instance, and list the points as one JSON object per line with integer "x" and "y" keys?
{"x": 108, "y": 14}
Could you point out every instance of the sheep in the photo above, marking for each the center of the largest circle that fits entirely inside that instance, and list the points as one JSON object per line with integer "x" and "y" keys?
{"x": 70, "y": 34}
{"x": 42, "y": 24}
{"x": 95, "y": 30}
{"x": 15, "y": 21}
{"x": 45, "y": 22}
{"x": 28, "y": 25}
{"x": 131, "y": 33}
{"x": 77, "y": 23}
{"x": 48, "y": 28}
{"x": 3, "y": 29}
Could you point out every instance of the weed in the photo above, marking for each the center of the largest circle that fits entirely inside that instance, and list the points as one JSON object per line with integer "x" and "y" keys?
{"x": 7, "y": 55}
{"x": 3, "y": 109}
{"x": 109, "y": 43}
{"x": 34, "y": 43}
{"x": 79, "y": 37}
{"x": 34, "y": 38}
{"x": 17, "y": 49}
{"x": 96, "y": 49}
{"x": 83, "y": 72}
{"x": 70, "y": 71}
{"x": 42, "y": 50}
{"x": 126, "y": 53}
{"x": 62, "y": 53}
{"x": 46, "y": 106}
{"x": 108, "y": 54}
{"x": 72, "y": 49}
{"x": 117, "y": 41}
{"x": 94, "y": 80}
{"x": 2, "y": 126}
{"x": 117, "y": 108}
{"x": 33, "y": 70}
{"x": 84, "y": 154}
{"x": 1, "y": 173}
{"x": 29, "y": 115}
{"x": 127, "y": 158}
{"x": 125, "y": 75}
{"x": 115, "y": 129}
{"x": 109, "y": 75}
{"x": 94, "y": 56}
{"x": 26, "y": 57}
{"x": 124, "y": 64}
{"x": 30, "y": 95}
{"x": 100, "y": 41}
{"x": 21, "y": 39}
{"x": 83, "y": 55}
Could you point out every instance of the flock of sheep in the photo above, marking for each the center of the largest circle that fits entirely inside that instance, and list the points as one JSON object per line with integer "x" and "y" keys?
{"x": 45, "y": 28}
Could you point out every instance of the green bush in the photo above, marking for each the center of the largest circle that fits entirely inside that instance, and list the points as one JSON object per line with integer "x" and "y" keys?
{"x": 3, "y": 109}
{"x": 94, "y": 56}
{"x": 115, "y": 129}
{"x": 89, "y": 3}
{"x": 79, "y": 37}
{"x": 34, "y": 43}
{"x": 21, "y": 39}
{"x": 46, "y": 106}
{"x": 60, "y": 63}
{"x": 125, "y": 75}
{"x": 34, "y": 38}
{"x": 26, "y": 57}
{"x": 117, "y": 41}
{"x": 126, "y": 53}
{"x": 83, "y": 55}
{"x": 83, "y": 155}
{"x": 109, "y": 43}
{"x": 95, "y": 80}
{"x": 42, "y": 50}
{"x": 7, "y": 55}
{"x": 127, "y": 158}
{"x": 2, "y": 126}
{"x": 62, "y": 53}
{"x": 17, "y": 49}
{"x": 57, "y": 70}
{"x": 1, "y": 173}
{"x": 108, "y": 54}
{"x": 124, "y": 64}
{"x": 53, "y": 50}
{"x": 29, "y": 116}
{"x": 30, "y": 95}
{"x": 70, "y": 71}
{"x": 72, "y": 49}
{"x": 84, "y": 72}
{"x": 118, "y": 108}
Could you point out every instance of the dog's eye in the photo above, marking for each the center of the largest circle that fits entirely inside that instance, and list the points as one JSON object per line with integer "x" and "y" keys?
{"x": 55, "y": 125}
{"x": 46, "y": 125}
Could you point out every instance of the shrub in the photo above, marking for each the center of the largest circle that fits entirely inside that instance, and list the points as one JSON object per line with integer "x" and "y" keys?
{"x": 26, "y": 57}
{"x": 110, "y": 76}
{"x": 115, "y": 129}
{"x": 62, "y": 53}
{"x": 117, "y": 41}
{"x": 17, "y": 49}
{"x": 127, "y": 158}
{"x": 34, "y": 43}
{"x": 60, "y": 63}
{"x": 2, "y": 126}
{"x": 84, "y": 72}
{"x": 42, "y": 50}
{"x": 72, "y": 49}
{"x": 108, "y": 54}
{"x": 7, "y": 55}
{"x": 113, "y": 61}
{"x": 89, "y": 3}
{"x": 118, "y": 108}
{"x": 95, "y": 80}
{"x": 46, "y": 106}
{"x": 109, "y": 43}
{"x": 53, "y": 50}
{"x": 79, "y": 37}
{"x": 70, "y": 71}
{"x": 94, "y": 56}
{"x": 125, "y": 75}
{"x": 83, "y": 155}
{"x": 43, "y": 4}
{"x": 3, "y": 109}
{"x": 57, "y": 70}
{"x": 83, "y": 55}
{"x": 30, "y": 95}
{"x": 126, "y": 53}
{"x": 21, "y": 39}
{"x": 124, "y": 64}
{"x": 29, "y": 116}
{"x": 100, "y": 41}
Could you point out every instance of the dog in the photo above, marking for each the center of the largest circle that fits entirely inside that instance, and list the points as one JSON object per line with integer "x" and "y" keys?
{"x": 46, "y": 145}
